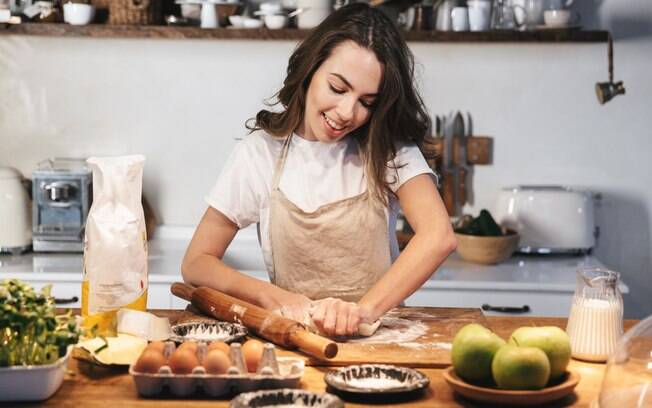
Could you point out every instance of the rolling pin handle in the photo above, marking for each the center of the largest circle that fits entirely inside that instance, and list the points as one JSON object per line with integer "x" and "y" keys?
{"x": 313, "y": 344}
{"x": 182, "y": 290}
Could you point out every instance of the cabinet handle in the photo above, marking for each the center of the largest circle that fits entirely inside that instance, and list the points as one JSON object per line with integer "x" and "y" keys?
{"x": 506, "y": 309}
{"x": 59, "y": 301}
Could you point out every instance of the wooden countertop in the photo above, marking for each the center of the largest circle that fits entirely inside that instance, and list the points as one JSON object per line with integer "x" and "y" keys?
{"x": 92, "y": 386}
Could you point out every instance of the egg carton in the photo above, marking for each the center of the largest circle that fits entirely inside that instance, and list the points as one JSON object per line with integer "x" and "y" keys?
{"x": 272, "y": 372}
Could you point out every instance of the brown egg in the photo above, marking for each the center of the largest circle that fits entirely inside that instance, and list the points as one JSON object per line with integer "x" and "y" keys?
{"x": 220, "y": 345}
{"x": 149, "y": 361}
{"x": 216, "y": 362}
{"x": 182, "y": 361}
{"x": 252, "y": 350}
{"x": 191, "y": 345}
{"x": 156, "y": 345}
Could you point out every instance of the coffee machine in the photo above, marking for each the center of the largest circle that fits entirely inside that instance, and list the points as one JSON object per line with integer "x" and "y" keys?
{"x": 61, "y": 197}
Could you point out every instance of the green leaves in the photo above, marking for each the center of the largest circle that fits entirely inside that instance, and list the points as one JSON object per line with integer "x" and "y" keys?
{"x": 483, "y": 225}
{"x": 30, "y": 330}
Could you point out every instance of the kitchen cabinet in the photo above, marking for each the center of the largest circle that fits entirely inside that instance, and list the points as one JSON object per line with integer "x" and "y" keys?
{"x": 544, "y": 283}
{"x": 521, "y": 302}
{"x": 67, "y": 293}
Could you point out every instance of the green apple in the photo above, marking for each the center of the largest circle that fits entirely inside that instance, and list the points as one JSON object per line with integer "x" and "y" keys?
{"x": 473, "y": 350}
{"x": 551, "y": 340}
{"x": 520, "y": 368}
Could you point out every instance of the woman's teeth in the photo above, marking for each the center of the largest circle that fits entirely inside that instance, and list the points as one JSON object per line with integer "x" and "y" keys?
{"x": 331, "y": 123}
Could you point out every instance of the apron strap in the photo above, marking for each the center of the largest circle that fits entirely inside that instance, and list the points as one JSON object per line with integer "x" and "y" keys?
{"x": 280, "y": 163}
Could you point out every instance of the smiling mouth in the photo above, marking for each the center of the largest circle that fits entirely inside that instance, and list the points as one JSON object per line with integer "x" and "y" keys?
{"x": 332, "y": 123}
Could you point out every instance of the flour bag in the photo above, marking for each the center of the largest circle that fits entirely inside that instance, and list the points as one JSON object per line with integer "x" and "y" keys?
{"x": 115, "y": 244}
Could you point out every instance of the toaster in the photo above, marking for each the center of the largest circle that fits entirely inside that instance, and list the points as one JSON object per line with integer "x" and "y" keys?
{"x": 62, "y": 194}
{"x": 15, "y": 216}
{"x": 549, "y": 219}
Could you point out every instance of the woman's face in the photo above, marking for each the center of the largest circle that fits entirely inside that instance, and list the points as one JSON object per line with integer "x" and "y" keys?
{"x": 341, "y": 94}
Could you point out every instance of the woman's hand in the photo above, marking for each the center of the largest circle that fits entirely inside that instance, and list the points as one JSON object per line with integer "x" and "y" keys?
{"x": 288, "y": 304}
{"x": 336, "y": 317}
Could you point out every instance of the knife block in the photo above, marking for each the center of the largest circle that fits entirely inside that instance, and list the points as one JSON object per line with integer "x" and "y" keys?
{"x": 479, "y": 150}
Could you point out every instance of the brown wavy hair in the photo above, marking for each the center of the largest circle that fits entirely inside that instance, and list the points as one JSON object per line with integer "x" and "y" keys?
{"x": 398, "y": 115}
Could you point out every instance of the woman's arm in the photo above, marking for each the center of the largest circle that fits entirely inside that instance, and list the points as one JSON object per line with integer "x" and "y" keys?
{"x": 433, "y": 241}
{"x": 202, "y": 266}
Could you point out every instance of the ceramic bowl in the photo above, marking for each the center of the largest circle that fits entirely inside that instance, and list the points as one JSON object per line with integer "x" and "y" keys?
{"x": 237, "y": 21}
{"x": 486, "y": 250}
{"x": 252, "y": 23}
{"x": 557, "y": 18}
{"x": 33, "y": 383}
{"x": 275, "y": 22}
{"x": 78, "y": 14}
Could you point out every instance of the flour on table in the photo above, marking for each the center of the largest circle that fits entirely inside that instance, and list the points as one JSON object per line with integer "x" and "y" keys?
{"x": 393, "y": 330}
{"x": 375, "y": 383}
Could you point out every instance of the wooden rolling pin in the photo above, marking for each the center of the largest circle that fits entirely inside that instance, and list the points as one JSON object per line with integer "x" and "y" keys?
{"x": 275, "y": 328}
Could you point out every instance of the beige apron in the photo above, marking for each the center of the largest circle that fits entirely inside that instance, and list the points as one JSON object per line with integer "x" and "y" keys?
{"x": 340, "y": 250}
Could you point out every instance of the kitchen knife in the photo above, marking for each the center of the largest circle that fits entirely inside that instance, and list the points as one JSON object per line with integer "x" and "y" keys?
{"x": 275, "y": 328}
{"x": 448, "y": 174}
{"x": 459, "y": 169}
{"x": 462, "y": 161}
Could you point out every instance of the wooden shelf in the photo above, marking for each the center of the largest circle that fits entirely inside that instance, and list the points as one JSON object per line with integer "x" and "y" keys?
{"x": 123, "y": 31}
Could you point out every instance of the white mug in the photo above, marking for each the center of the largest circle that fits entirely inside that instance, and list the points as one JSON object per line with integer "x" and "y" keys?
{"x": 460, "y": 19}
{"x": 313, "y": 12}
{"x": 560, "y": 18}
{"x": 528, "y": 13}
{"x": 208, "y": 15}
{"x": 479, "y": 14}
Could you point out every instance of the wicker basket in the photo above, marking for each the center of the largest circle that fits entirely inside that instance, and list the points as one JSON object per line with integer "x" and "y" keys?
{"x": 137, "y": 12}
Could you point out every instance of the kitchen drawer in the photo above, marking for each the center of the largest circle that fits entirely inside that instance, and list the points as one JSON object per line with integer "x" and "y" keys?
{"x": 540, "y": 303}
{"x": 67, "y": 294}
{"x": 158, "y": 296}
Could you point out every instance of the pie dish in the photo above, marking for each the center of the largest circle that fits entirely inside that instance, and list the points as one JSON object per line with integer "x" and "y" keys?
{"x": 376, "y": 379}
{"x": 208, "y": 331}
{"x": 286, "y": 397}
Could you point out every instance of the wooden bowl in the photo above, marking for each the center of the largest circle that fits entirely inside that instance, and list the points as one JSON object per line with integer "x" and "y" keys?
{"x": 507, "y": 397}
{"x": 486, "y": 250}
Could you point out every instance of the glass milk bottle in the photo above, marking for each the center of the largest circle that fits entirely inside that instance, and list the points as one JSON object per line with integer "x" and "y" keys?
{"x": 595, "y": 323}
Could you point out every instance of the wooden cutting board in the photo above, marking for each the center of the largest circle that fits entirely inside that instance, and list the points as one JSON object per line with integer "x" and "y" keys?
{"x": 409, "y": 336}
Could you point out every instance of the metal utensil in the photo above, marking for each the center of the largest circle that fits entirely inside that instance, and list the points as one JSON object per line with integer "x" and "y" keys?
{"x": 448, "y": 169}
{"x": 458, "y": 162}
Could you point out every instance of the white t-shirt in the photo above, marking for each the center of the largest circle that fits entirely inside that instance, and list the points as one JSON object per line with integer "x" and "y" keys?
{"x": 314, "y": 174}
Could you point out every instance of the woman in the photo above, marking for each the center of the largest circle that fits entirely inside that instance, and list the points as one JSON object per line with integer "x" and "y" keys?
{"x": 323, "y": 178}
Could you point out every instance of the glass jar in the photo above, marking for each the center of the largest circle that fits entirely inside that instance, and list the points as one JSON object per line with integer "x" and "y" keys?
{"x": 627, "y": 381}
{"x": 595, "y": 323}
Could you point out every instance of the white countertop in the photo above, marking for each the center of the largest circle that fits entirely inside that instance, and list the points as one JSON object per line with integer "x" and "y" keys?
{"x": 552, "y": 273}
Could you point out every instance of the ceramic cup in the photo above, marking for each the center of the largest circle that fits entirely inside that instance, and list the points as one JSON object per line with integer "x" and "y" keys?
{"x": 460, "y": 19}
{"x": 78, "y": 14}
{"x": 312, "y": 12}
{"x": 479, "y": 13}
{"x": 275, "y": 21}
{"x": 209, "y": 16}
{"x": 560, "y": 18}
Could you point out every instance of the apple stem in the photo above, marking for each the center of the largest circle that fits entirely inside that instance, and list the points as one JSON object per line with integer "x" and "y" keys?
{"x": 516, "y": 341}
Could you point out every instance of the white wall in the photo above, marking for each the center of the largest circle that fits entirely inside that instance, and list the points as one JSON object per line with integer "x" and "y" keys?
{"x": 182, "y": 103}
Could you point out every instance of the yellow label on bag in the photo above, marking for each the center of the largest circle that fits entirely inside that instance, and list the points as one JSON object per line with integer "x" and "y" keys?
{"x": 106, "y": 322}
